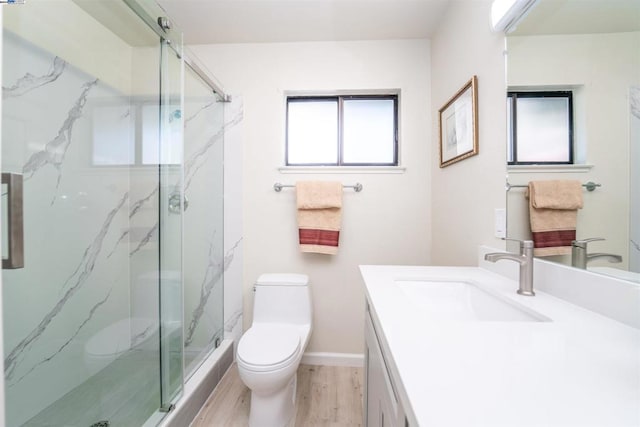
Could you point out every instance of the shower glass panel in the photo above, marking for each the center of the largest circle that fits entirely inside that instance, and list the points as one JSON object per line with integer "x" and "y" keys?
{"x": 203, "y": 220}
{"x": 90, "y": 318}
{"x": 170, "y": 216}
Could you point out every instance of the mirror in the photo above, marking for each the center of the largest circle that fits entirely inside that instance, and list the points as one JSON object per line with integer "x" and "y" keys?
{"x": 592, "y": 49}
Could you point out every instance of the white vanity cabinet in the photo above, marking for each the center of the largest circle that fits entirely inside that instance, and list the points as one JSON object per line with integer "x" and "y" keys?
{"x": 382, "y": 406}
{"x": 451, "y": 367}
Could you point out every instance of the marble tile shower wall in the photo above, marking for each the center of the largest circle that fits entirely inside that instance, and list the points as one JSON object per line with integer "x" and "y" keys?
{"x": 76, "y": 214}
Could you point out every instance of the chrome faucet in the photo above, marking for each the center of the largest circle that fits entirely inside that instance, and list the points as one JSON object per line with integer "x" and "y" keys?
{"x": 580, "y": 258}
{"x": 525, "y": 259}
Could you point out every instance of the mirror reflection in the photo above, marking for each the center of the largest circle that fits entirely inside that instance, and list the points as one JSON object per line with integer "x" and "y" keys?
{"x": 573, "y": 78}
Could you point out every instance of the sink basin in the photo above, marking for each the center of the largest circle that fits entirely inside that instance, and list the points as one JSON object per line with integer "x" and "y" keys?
{"x": 464, "y": 301}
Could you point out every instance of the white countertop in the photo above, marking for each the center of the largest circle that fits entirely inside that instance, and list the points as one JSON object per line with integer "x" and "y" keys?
{"x": 580, "y": 369}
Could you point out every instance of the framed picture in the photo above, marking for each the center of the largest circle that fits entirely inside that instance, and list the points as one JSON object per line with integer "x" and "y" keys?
{"x": 459, "y": 125}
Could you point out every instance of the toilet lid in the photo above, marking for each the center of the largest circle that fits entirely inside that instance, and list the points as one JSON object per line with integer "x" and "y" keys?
{"x": 269, "y": 345}
{"x": 283, "y": 279}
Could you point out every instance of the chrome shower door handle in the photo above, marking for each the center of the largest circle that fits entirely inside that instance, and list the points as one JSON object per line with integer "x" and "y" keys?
{"x": 15, "y": 222}
{"x": 174, "y": 203}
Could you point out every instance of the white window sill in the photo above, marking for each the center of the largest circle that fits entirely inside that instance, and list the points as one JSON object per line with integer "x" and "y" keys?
{"x": 549, "y": 168}
{"x": 342, "y": 169}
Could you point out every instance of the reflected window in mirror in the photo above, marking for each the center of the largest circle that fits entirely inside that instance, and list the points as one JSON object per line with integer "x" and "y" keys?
{"x": 540, "y": 127}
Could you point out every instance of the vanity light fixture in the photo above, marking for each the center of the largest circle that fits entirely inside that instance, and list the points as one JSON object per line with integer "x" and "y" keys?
{"x": 505, "y": 14}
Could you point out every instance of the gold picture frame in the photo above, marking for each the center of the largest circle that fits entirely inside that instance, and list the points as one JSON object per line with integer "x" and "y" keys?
{"x": 458, "y": 120}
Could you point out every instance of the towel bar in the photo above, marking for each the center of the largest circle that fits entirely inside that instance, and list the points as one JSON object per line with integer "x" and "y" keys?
{"x": 278, "y": 187}
{"x": 590, "y": 186}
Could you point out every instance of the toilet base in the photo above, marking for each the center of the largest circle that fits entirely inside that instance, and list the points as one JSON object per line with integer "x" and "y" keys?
{"x": 275, "y": 409}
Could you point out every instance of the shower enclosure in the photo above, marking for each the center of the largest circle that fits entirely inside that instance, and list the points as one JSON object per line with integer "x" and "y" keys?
{"x": 112, "y": 282}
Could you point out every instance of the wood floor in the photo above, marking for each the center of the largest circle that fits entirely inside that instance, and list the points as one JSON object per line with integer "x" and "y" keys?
{"x": 327, "y": 396}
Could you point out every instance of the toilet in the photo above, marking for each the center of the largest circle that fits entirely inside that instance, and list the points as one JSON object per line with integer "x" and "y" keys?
{"x": 140, "y": 332}
{"x": 116, "y": 339}
{"x": 269, "y": 352}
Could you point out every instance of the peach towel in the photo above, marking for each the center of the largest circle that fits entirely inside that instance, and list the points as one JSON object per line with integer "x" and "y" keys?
{"x": 553, "y": 213}
{"x": 319, "y": 205}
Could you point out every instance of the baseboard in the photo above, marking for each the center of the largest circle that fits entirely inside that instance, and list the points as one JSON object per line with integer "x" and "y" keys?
{"x": 355, "y": 360}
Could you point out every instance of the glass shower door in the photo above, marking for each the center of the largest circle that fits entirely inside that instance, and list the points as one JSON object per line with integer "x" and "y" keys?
{"x": 171, "y": 207}
{"x": 83, "y": 108}
{"x": 204, "y": 261}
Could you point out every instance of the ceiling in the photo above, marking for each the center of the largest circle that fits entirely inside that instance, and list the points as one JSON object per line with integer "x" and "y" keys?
{"x": 121, "y": 20}
{"x": 580, "y": 17}
{"x": 263, "y": 21}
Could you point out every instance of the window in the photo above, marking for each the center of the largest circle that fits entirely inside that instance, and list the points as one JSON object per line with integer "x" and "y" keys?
{"x": 129, "y": 134}
{"x": 342, "y": 130}
{"x": 540, "y": 128}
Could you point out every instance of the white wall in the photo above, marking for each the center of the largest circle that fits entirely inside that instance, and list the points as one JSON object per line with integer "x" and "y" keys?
{"x": 388, "y": 222}
{"x": 465, "y": 194}
{"x": 602, "y": 67}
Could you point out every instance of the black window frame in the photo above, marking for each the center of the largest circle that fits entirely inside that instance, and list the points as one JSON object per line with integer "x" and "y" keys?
{"x": 512, "y": 97}
{"x": 340, "y": 130}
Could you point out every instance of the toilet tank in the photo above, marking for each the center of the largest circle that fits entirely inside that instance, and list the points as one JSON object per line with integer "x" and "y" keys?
{"x": 282, "y": 298}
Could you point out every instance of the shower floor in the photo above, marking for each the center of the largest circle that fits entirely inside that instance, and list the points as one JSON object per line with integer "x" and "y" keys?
{"x": 125, "y": 393}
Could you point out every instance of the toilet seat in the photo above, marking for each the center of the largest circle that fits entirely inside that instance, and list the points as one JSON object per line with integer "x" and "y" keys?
{"x": 268, "y": 347}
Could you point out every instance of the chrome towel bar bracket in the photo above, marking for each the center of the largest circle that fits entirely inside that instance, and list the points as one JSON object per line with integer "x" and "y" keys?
{"x": 277, "y": 187}
{"x": 590, "y": 186}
